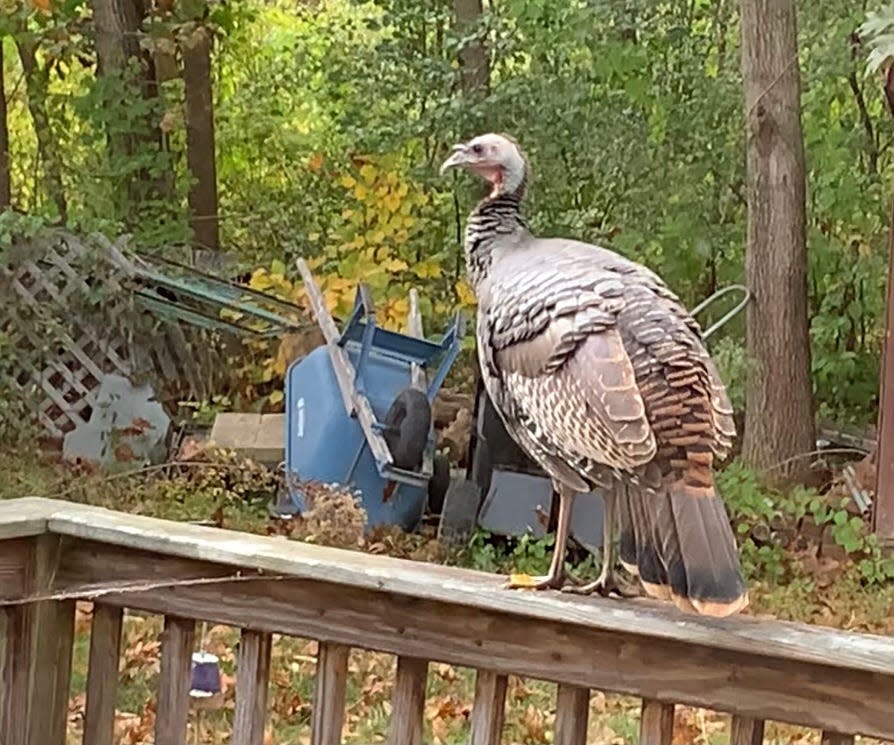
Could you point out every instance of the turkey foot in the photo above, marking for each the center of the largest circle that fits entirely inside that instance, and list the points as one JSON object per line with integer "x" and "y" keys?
{"x": 606, "y": 584}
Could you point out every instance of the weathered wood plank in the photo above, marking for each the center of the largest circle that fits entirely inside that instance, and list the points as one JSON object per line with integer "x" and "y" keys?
{"x": 52, "y": 640}
{"x": 18, "y": 640}
{"x": 343, "y": 368}
{"x": 837, "y": 738}
{"x": 172, "y": 719}
{"x": 699, "y": 675}
{"x": 328, "y": 717}
{"x": 572, "y": 713}
{"x": 252, "y": 677}
{"x": 408, "y": 701}
{"x": 489, "y": 708}
{"x": 16, "y": 661}
{"x": 102, "y": 675}
{"x": 16, "y": 555}
{"x": 51, "y": 673}
{"x": 746, "y": 731}
{"x": 656, "y": 724}
{"x": 641, "y": 618}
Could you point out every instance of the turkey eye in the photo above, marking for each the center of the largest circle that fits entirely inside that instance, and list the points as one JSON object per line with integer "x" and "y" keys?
{"x": 477, "y": 149}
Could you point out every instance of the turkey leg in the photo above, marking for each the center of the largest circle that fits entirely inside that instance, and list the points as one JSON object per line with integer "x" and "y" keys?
{"x": 557, "y": 576}
{"x": 607, "y": 582}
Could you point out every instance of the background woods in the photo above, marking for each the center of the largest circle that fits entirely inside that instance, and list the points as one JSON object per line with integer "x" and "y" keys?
{"x": 272, "y": 130}
{"x": 260, "y": 131}
{"x": 244, "y": 134}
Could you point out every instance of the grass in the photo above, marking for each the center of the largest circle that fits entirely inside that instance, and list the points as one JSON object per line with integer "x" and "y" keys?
{"x": 232, "y": 494}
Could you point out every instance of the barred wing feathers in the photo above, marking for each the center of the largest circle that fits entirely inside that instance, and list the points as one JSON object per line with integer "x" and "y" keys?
{"x": 596, "y": 366}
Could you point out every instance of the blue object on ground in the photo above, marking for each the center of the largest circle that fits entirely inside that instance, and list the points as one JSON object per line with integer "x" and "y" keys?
{"x": 326, "y": 443}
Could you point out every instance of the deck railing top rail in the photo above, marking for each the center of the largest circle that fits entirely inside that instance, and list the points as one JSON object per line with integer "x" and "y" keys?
{"x": 259, "y": 554}
{"x": 753, "y": 667}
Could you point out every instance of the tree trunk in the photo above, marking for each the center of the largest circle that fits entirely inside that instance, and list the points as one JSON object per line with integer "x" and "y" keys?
{"x": 37, "y": 80}
{"x": 5, "y": 183}
{"x": 200, "y": 141}
{"x": 779, "y": 420}
{"x": 473, "y": 59}
{"x": 116, "y": 25}
{"x": 883, "y": 512}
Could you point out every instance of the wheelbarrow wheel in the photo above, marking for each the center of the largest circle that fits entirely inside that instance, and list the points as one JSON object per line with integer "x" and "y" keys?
{"x": 407, "y": 424}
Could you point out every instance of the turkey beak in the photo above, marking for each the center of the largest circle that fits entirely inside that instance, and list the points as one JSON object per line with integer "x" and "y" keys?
{"x": 459, "y": 158}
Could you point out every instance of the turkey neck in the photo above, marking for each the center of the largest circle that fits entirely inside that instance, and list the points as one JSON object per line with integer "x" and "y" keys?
{"x": 494, "y": 219}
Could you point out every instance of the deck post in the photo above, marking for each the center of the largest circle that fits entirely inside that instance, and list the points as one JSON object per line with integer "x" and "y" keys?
{"x": 37, "y": 660}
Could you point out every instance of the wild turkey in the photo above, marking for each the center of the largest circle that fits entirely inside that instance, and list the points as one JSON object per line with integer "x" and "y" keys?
{"x": 600, "y": 374}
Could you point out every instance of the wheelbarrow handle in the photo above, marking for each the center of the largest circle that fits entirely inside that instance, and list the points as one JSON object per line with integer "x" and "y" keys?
{"x": 732, "y": 313}
{"x": 364, "y": 300}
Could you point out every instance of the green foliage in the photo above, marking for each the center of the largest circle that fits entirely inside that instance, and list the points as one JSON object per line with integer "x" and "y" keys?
{"x": 630, "y": 112}
{"x": 751, "y": 503}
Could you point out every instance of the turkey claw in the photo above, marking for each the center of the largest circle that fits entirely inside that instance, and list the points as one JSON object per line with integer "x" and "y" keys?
{"x": 605, "y": 586}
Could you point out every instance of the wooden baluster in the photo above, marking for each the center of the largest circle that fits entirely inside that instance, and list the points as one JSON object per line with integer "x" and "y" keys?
{"x": 489, "y": 708}
{"x": 746, "y": 731}
{"x": 656, "y": 726}
{"x": 102, "y": 675}
{"x": 572, "y": 712}
{"x": 328, "y": 717}
{"x": 36, "y": 674}
{"x": 16, "y": 664}
{"x": 408, "y": 701}
{"x": 172, "y": 716}
{"x": 252, "y": 677}
{"x": 836, "y": 738}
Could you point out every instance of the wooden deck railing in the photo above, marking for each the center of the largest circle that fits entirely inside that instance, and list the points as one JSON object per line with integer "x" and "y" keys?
{"x": 53, "y": 553}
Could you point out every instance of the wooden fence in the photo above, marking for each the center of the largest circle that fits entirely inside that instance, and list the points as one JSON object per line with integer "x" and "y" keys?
{"x": 54, "y": 553}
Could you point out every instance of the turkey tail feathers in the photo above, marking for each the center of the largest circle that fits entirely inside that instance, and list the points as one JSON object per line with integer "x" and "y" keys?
{"x": 640, "y": 549}
{"x": 679, "y": 541}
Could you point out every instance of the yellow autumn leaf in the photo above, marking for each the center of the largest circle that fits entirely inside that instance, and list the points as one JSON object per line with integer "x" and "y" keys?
{"x": 391, "y": 202}
{"x": 368, "y": 173}
{"x": 347, "y": 181}
{"x": 402, "y": 190}
{"x": 400, "y": 306}
{"x": 521, "y": 580}
{"x": 464, "y": 293}
{"x": 395, "y": 265}
{"x": 428, "y": 269}
{"x": 347, "y": 214}
{"x": 360, "y": 192}
{"x": 378, "y": 236}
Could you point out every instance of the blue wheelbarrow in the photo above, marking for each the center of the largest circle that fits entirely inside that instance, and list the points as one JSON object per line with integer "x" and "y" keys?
{"x": 358, "y": 410}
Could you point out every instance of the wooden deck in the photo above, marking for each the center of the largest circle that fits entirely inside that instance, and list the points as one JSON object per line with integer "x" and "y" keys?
{"x": 54, "y": 553}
